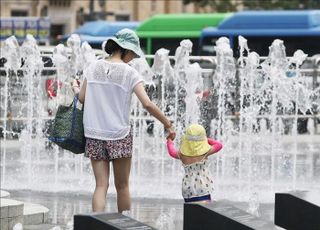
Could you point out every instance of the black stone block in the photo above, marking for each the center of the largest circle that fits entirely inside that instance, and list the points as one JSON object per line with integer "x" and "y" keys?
{"x": 222, "y": 216}
{"x": 110, "y": 221}
{"x": 297, "y": 210}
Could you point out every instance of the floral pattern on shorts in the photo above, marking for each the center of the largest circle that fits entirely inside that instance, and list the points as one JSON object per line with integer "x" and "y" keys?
{"x": 109, "y": 149}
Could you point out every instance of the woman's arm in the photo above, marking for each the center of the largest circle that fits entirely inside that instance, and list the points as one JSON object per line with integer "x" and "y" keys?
{"x": 75, "y": 86}
{"x": 153, "y": 109}
{"x": 171, "y": 149}
{"x": 82, "y": 93}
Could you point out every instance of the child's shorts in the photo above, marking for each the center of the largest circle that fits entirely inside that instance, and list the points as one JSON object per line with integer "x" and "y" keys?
{"x": 204, "y": 198}
{"x": 108, "y": 149}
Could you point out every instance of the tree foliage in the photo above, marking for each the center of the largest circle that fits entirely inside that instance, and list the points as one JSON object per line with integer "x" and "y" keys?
{"x": 281, "y": 4}
{"x": 231, "y": 5}
{"x": 217, "y": 5}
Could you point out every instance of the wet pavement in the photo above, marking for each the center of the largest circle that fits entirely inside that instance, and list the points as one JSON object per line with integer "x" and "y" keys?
{"x": 74, "y": 193}
{"x": 158, "y": 213}
{"x": 164, "y": 214}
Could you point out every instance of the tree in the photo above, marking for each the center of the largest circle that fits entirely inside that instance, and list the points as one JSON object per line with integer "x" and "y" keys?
{"x": 231, "y": 5}
{"x": 273, "y": 4}
{"x": 216, "y": 5}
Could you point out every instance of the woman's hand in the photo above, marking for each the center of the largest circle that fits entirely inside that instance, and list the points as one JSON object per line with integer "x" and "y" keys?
{"x": 171, "y": 133}
{"x": 75, "y": 86}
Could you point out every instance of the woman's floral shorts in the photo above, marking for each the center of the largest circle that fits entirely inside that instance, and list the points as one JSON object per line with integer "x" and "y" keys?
{"x": 108, "y": 149}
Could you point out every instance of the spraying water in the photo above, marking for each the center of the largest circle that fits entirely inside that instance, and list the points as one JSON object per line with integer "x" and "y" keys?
{"x": 11, "y": 48}
{"x": 255, "y": 108}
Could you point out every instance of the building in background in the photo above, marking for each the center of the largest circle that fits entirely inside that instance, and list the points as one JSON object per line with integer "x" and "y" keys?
{"x": 66, "y": 15}
{"x": 63, "y": 14}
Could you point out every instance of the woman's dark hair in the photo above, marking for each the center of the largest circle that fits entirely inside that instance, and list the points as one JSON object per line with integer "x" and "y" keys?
{"x": 111, "y": 47}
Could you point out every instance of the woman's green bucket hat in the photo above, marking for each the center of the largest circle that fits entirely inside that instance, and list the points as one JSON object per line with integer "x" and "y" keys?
{"x": 127, "y": 39}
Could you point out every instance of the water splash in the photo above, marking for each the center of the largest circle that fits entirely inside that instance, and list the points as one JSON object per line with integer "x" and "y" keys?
{"x": 243, "y": 44}
{"x": 192, "y": 100}
{"x": 76, "y": 57}
{"x": 12, "y": 50}
{"x": 161, "y": 62}
{"x": 254, "y": 110}
{"x": 61, "y": 82}
{"x": 88, "y": 55}
{"x": 166, "y": 220}
{"x": 142, "y": 66}
{"x": 32, "y": 134}
{"x": 17, "y": 226}
{"x": 254, "y": 205}
{"x": 182, "y": 54}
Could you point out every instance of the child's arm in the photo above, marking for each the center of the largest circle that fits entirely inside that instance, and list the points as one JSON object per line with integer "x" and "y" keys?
{"x": 217, "y": 146}
{"x": 171, "y": 149}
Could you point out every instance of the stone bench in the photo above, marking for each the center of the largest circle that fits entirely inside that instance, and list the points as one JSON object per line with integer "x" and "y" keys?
{"x": 11, "y": 212}
{"x": 34, "y": 214}
{"x": 4, "y": 194}
{"x": 107, "y": 221}
{"x": 223, "y": 216}
{"x": 297, "y": 210}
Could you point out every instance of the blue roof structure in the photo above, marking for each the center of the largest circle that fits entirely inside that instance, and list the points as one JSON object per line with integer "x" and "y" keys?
{"x": 264, "y": 32}
{"x": 268, "y": 23}
{"x": 276, "y": 19}
{"x": 97, "y": 32}
{"x": 104, "y": 28}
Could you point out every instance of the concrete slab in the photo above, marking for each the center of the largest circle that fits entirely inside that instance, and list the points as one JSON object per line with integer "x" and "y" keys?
{"x": 9, "y": 222}
{"x": 10, "y": 208}
{"x": 4, "y": 223}
{"x": 34, "y": 214}
{"x": 4, "y": 194}
{"x": 13, "y": 221}
{"x": 42, "y": 227}
{"x": 11, "y": 213}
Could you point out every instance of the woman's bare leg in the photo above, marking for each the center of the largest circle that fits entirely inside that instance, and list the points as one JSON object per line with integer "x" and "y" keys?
{"x": 121, "y": 168}
{"x": 101, "y": 174}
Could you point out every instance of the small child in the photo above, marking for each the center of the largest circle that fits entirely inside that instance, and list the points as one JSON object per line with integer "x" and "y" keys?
{"x": 197, "y": 183}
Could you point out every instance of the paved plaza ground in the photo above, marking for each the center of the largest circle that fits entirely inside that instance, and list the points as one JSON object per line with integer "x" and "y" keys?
{"x": 159, "y": 213}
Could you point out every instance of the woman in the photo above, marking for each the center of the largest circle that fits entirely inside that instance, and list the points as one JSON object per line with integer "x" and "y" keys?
{"x": 106, "y": 93}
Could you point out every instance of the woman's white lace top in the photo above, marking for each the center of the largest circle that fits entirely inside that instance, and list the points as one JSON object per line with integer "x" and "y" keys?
{"x": 108, "y": 98}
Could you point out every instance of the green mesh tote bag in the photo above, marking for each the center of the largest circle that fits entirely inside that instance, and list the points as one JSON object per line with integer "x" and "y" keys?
{"x": 67, "y": 128}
